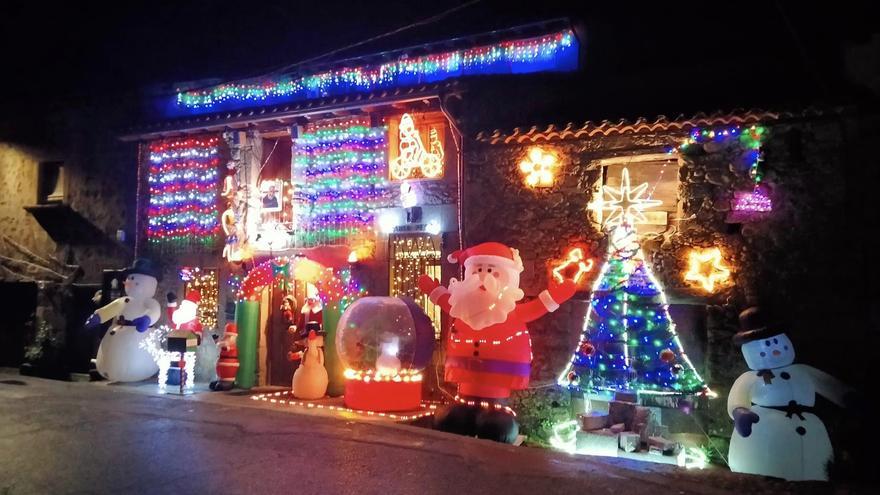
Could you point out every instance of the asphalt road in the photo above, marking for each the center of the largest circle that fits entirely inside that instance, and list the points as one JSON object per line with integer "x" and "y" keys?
{"x": 79, "y": 437}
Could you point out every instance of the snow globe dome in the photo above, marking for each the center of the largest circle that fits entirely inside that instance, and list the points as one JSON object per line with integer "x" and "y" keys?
{"x": 384, "y": 335}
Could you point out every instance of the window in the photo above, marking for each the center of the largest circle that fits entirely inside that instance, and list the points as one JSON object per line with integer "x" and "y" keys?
{"x": 660, "y": 172}
{"x": 50, "y": 183}
{"x": 205, "y": 281}
{"x": 413, "y": 255}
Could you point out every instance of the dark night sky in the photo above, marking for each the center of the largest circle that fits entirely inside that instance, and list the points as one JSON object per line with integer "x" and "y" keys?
{"x": 70, "y": 53}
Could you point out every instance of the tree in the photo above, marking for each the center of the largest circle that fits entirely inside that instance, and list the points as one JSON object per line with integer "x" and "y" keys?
{"x": 629, "y": 342}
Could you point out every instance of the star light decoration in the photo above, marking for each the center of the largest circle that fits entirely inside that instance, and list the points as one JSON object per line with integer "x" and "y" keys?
{"x": 626, "y": 204}
{"x": 706, "y": 267}
{"x": 538, "y": 168}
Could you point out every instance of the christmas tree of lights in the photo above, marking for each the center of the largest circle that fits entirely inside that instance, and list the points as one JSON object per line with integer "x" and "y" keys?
{"x": 629, "y": 342}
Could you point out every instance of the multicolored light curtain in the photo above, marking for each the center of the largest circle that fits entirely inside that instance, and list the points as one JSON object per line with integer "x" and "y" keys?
{"x": 183, "y": 180}
{"x": 339, "y": 166}
{"x": 550, "y": 52}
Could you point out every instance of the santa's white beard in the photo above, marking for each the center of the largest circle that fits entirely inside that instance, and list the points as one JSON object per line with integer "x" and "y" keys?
{"x": 481, "y": 308}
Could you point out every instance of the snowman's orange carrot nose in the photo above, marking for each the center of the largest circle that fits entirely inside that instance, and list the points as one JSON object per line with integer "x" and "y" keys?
{"x": 775, "y": 353}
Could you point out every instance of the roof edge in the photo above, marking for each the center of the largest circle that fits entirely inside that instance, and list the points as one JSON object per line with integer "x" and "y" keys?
{"x": 661, "y": 123}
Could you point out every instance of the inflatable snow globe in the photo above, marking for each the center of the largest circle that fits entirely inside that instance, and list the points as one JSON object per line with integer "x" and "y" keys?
{"x": 384, "y": 344}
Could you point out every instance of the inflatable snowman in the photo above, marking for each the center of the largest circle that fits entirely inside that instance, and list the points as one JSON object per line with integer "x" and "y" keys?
{"x": 310, "y": 379}
{"x": 121, "y": 358}
{"x": 775, "y": 430}
{"x": 388, "y": 363}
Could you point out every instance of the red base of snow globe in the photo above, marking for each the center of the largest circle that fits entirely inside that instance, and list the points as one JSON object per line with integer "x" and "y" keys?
{"x": 401, "y": 393}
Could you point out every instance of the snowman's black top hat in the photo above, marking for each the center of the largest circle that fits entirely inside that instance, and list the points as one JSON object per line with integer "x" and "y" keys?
{"x": 755, "y": 325}
{"x": 143, "y": 266}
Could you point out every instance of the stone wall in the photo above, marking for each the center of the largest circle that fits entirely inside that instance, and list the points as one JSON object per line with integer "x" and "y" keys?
{"x": 18, "y": 187}
{"x": 100, "y": 188}
{"x": 789, "y": 261}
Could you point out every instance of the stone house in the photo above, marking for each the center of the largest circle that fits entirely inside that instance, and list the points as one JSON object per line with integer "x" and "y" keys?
{"x": 66, "y": 202}
{"x": 259, "y": 197}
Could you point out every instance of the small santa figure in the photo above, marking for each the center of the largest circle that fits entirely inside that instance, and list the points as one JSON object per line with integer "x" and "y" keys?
{"x": 185, "y": 315}
{"x": 311, "y": 312}
{"x": 227, "y": 364}
{"x": 776, "y": 432}
{"x": 488, "y": 351}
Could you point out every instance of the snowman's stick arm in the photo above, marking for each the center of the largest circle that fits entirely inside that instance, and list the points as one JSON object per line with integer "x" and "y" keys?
{"x": 112, "y": 310}
{"x": 739, "y": 393}
{"x": 826, "y": 385}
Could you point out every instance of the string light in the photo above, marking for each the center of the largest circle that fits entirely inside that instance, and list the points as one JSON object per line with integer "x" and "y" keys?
{"x": 751, "y": 139}
{"x": 428, "y": 409}
{"x": 335, "y": 288}
{"x": 486, "y": 405}
{"x": 402, "y": 375}
{"x": 339, "y": 165}
{"x": 206, "y": 282}
{"x": 414, "y": 255}
{"x": 189, "y": 371}
{"x": 183, "y": 185}
{"x": 564, "y": 438}
{"x": 706, "y": 267}
{"x": 556, "y": 51}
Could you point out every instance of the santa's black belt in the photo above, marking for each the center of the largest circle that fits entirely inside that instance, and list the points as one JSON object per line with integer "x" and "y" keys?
{"x": 792, "y": 409}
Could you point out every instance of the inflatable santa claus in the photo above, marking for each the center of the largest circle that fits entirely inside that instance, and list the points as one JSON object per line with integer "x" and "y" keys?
{"x": 227, "y": 364}
{"x": 185, "y": 315}
{"x": 488, "y": 351}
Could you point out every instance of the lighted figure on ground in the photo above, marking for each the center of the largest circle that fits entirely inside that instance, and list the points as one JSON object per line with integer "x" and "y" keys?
{"x": 120, "y": 356}
{"x": 489, "y": 351}
{"x": 227, "y": 364}
{"x": 775, "y": 430}
{"x": 310, "y": 379}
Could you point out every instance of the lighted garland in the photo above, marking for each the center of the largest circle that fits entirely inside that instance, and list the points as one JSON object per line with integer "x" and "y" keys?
{"x": 334, "y": 287}
{"x": 183, "y": 180}
{"x": 339, "y": 166}
{"x": 751, "y": 139}
{"x": 556, "y": 51}
{"x": 341, "y": 290}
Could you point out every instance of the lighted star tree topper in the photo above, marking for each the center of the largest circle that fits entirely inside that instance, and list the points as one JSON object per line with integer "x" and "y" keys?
{"x": 628, "y": 342}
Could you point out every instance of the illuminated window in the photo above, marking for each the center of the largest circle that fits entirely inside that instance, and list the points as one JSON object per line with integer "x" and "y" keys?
{"x": 660, "y": 172}
{"x": 204, "y": 280}
{"x": 414, "y": 255}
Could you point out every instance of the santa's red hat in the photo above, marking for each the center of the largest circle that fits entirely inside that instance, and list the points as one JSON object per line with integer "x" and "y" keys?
{"x": 489, "y": 252}
{"x": 194, "y": 296}
{"x": 231, "y": 329}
